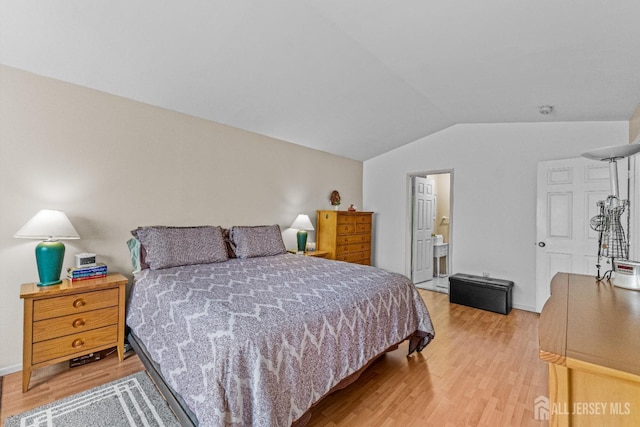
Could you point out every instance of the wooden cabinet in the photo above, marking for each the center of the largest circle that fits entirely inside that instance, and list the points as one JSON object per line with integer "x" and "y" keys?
{"x": 71, "y": 319}
{"x": 589, "y": 335}
{"x": 345, "y": 236}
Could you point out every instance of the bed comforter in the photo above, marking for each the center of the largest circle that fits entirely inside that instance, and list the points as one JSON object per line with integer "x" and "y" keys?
{"x": 256, "y": 342}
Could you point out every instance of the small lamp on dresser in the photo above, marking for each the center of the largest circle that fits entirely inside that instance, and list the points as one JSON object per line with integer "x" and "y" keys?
{"x": 49, "y": 226}
{"x": 302, "y": 224}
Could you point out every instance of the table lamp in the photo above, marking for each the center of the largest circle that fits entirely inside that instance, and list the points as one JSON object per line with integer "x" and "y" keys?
{"x": 51, "y": 226}
{"x": 302, "y": 224}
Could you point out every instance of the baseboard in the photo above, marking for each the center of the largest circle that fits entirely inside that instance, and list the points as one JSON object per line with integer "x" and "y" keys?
{"x": 10, "y": 369}
{"x": 525, "y": 308}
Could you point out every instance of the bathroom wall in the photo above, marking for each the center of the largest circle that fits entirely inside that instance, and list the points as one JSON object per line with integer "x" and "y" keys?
{"x": 443, "y": 210}
{"x": 443, "y": 193}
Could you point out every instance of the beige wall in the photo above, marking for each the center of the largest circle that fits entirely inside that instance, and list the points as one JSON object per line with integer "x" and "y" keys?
{"x": 443, "y": 214}
{"x": 443, "y": 191}
{"x": 113, "y": 164}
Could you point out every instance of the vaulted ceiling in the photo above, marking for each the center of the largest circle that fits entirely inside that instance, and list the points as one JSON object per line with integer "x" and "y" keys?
{"x": 352, "y": 77}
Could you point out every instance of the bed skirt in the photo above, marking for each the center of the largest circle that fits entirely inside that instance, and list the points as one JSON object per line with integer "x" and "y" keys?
{"x": 188, "y": 419}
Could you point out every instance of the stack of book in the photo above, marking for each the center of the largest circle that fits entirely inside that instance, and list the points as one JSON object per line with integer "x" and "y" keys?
{"x": 83, "y": 273}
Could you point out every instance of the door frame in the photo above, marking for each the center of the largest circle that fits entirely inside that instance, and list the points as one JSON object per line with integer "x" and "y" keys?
{"x": 409, "y": 216}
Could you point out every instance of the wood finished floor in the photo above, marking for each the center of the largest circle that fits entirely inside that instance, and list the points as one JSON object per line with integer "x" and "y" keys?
{"x": 481, "y": 370}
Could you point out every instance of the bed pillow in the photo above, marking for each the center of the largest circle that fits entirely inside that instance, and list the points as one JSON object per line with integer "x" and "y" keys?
{"x": 175, "y": 246}
{"x": 257, "y": 241}
{"x": 134, "y": 252}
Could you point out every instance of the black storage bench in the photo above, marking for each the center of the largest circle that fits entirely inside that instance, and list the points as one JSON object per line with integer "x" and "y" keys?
{"x": 481, "y": 292}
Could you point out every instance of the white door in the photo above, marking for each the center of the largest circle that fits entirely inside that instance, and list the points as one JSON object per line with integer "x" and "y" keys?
{"x": 568, "y": 192}
{"x": 424, "y": 210}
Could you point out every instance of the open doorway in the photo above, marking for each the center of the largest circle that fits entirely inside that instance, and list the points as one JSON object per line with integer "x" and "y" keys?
{"x": 430, "y": 209}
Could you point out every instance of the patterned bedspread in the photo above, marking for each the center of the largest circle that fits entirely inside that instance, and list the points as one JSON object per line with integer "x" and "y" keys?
{"x": 258, "y": 341}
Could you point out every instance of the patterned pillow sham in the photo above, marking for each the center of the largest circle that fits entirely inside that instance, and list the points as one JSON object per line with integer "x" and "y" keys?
{"x": 257, "y": 241}
{"x": 175, "y": 246}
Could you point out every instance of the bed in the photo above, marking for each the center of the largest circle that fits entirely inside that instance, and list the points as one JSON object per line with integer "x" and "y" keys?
{"x": 242, "y": 333}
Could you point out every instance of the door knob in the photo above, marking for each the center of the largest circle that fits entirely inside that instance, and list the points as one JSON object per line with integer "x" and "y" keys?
{"x": 542, "y": 244}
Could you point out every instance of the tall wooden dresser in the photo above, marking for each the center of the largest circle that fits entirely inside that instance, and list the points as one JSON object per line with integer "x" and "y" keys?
{"x": 345, "y": 236}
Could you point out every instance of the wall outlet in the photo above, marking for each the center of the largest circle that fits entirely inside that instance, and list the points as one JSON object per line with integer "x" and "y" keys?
{"x": 487, "y": 275}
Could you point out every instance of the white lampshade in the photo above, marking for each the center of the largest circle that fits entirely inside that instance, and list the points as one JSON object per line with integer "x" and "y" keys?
{"x": 48, "y": 225}
{"x": 302, "y": 222}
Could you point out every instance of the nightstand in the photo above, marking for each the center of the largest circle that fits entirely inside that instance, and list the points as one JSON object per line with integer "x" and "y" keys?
{"x": 319, "y": 254}
{"x": 71, "y": 319}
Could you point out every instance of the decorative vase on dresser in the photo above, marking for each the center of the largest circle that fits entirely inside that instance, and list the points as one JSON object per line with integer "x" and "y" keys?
{"x": 345, "y": 236}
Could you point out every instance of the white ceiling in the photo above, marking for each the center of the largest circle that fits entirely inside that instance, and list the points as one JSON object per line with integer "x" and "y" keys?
{"x": 351, "y": 77}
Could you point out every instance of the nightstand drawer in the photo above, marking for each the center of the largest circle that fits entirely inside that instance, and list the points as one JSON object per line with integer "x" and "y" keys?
{"x": 83, "y": 342}
{"x": 74, "y": 323}
{"x": 72, "y": 304}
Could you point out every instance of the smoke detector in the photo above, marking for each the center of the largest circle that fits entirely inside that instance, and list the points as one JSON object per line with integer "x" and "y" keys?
{"x": 545, "y": 109}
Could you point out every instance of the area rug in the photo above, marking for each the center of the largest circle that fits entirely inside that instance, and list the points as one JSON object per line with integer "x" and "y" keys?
{"x": 130, "y": 401}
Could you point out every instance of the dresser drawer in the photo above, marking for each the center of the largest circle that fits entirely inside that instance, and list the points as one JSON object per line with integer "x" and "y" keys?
{"x": 346, "y": 228}
{"x": 363, "y": 227}
{"x": 354, "y": 238}
{"x": 74, "y": 323}
{"x": 363, "y": 257}
{"x": 346, "y": 219}
{"x": 363, "y": 219}
{"x": 72, "y": 304}
{"x": 354, "y": 247}
{"x": 359, "y": 247}
{"x": 82, "y": 342}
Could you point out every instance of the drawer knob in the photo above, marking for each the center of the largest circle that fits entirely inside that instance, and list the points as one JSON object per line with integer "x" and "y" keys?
{"x": 79, "y": 342}
{"x": 78, "y": 323}
{"x": 79, "y": 303}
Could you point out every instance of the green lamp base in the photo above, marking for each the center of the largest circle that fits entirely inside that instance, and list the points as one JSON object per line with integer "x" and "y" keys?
{"x": 302, "y": 240}
{"x": 49, "y": 257}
